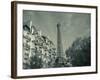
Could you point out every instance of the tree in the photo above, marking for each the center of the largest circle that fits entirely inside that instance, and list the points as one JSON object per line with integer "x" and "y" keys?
{"x": 35, "y": 62}
{"x": 80, "y": 52}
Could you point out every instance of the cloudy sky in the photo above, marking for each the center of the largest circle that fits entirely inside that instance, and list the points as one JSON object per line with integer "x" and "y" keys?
{"x": 73, "y": 25}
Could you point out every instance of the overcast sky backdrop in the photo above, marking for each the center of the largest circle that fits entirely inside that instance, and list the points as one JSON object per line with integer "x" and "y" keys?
{"x": 73, "y": 25}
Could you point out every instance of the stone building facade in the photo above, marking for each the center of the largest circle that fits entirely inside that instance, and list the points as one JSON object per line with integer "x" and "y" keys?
{"x": 36, "y": 44}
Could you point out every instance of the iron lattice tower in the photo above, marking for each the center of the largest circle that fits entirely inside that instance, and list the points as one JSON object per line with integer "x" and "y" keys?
{"x": 61, "y": 60}
{"x": 59, "y": 41}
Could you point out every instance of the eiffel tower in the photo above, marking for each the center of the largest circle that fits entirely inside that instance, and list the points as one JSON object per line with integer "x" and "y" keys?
{"x": 61, "y": 60}
{"x": 59, "y": 41}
